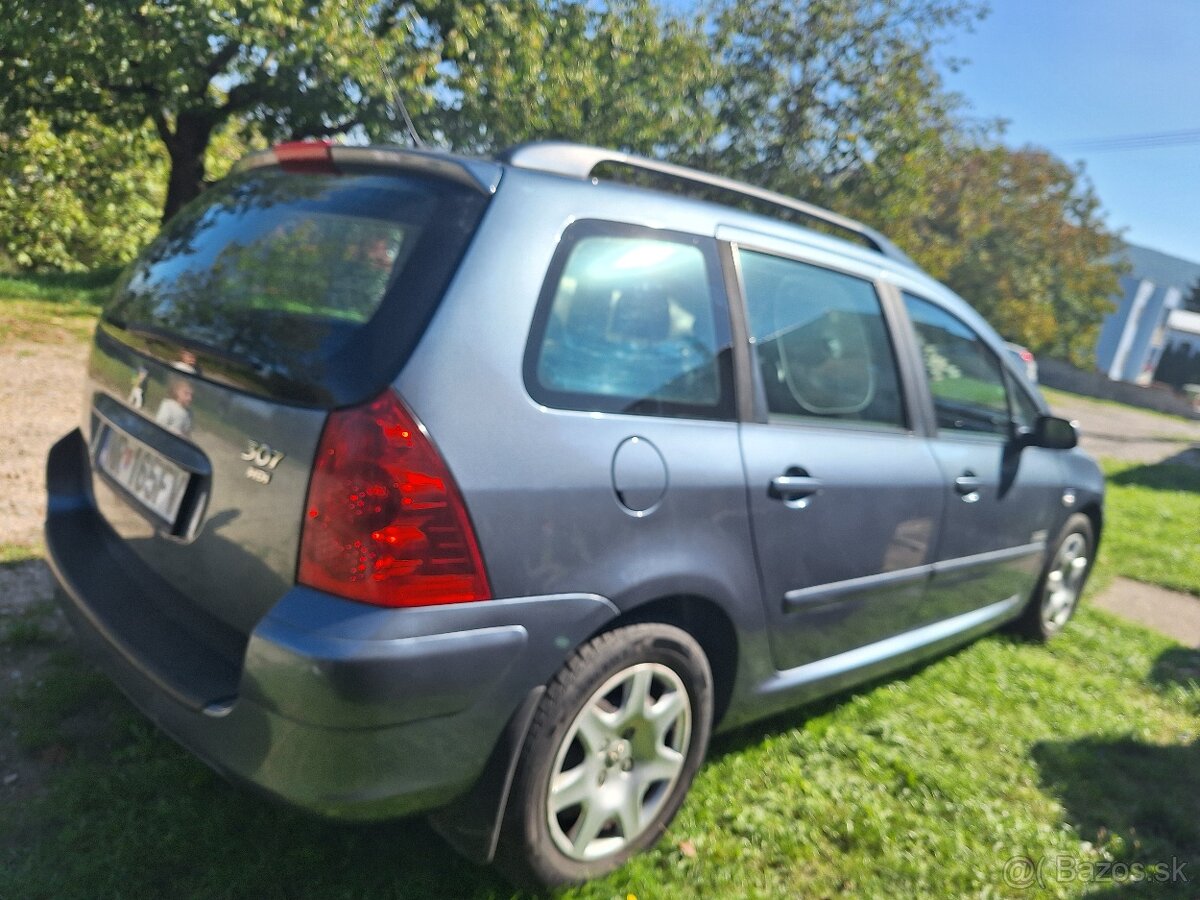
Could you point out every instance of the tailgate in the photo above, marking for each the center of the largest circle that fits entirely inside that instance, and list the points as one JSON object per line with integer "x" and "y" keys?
{"x": 204, "y": 483}
{"x": 274, "y": 297}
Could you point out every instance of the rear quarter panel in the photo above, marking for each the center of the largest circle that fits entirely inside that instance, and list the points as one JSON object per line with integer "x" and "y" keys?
{"x": 538, "y": 481}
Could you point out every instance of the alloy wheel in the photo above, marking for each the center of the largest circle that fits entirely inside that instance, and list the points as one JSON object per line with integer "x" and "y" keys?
{"x": 619, "y": 761}
{"x": 1064, "y": 581}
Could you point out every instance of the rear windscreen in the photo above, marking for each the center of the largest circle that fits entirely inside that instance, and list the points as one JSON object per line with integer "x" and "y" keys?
{"x": 280, "y": 281}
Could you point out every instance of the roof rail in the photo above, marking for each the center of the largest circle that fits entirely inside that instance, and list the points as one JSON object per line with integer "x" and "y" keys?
{"x": 579, "y": 160}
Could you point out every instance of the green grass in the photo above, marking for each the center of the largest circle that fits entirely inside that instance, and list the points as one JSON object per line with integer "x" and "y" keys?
{"x": 920, "y": 786}
{"x": 37, "y": 625}
{"x": 46, "y": 322}
{"x": 60, "y": 287}
{"x": 969, "y": 390}
{"x": 11, "y": 554}
{"x": 1152, "y": 527}
{"x": 65, "y": 687}
{"x": 52, "y": 307}
{"x": 25, "y": 632}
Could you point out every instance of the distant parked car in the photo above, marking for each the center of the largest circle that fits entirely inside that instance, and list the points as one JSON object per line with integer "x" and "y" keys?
{"x": 1025, "y": 359}
{"x": 410, "y": 482}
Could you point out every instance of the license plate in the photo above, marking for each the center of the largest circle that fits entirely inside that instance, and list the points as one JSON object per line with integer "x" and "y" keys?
{"x": 149, "y": 477}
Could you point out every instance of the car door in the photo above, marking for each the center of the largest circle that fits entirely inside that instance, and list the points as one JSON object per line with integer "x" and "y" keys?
{"x": 844, "y": 497}
{"x": 1001, "y": 496}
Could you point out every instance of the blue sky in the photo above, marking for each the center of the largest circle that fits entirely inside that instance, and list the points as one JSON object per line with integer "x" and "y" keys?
{"x": 1062, "y": 71}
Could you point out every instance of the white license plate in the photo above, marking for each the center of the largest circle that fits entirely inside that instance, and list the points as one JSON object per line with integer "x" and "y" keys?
{"x": 149, "y": 477}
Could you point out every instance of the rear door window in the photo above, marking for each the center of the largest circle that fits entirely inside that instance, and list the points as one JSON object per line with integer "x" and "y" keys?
{"x": 821, "y": 343}
{"x": 631, "y": 320}
{"x": 274, "y": 278}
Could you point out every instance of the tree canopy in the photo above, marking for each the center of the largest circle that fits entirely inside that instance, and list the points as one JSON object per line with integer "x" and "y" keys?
{"x": 1019, "y": 234}
{"x": 70, "y": 201}
{"x": 839, "y": 102}
{"x": 298, "y": 68}
{"x": 620, "y": 74}
{"x": 815, "y": 95}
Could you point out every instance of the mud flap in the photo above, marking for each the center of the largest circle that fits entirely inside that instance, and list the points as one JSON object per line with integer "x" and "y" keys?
{"x": 471, "y": 824}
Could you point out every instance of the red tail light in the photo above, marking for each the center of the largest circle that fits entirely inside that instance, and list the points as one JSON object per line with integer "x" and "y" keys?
{"x": 1026, "y": 356}
{"x": 384, "y": 522}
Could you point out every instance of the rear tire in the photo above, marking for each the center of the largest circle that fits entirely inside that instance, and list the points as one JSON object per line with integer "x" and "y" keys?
{"x": 614, "y": 745}
{"x": 1061, "y": 584}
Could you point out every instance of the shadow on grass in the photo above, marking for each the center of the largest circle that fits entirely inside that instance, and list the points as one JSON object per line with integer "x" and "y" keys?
{"x": 151, "y": 821}
{"x": 1189, "y": 457}
{"x": 125, "y": 812}
{"x": 1179, "y": 665}
{"x": 1167, "y": 476}
{"x": 1141, "y": 801}
{"x": 129, "y": 813}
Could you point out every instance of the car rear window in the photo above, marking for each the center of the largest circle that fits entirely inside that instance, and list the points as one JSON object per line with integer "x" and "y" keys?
{"x": 277, "y": 281}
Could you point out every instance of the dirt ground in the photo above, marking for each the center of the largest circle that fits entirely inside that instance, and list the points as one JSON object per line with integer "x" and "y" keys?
{"x": 40, "y": 402}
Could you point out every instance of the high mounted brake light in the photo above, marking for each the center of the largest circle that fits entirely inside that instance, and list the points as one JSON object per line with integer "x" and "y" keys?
{"x": 305, "y": 157}
{"x": 385, "y": 522}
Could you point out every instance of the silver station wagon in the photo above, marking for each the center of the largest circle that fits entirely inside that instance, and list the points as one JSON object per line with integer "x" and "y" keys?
{"x": 416, "y": 483}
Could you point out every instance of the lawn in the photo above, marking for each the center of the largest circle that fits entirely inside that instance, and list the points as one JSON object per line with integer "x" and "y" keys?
{"x": 14, "y": 553}
{"x": 52, "y": 307}
{"x": 940, "y": 782}
{"x": 1152, "y": 532}
{"x": 926, "y": 785}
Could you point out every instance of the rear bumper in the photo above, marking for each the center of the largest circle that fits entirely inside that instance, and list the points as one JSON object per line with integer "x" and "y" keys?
{"x": 343, "y": 709}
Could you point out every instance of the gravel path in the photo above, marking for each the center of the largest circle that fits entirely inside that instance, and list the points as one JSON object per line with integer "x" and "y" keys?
{"x": 40, "y": 402}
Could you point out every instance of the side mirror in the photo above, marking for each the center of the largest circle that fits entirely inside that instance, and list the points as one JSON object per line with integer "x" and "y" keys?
{"x": 1052, "y": 433}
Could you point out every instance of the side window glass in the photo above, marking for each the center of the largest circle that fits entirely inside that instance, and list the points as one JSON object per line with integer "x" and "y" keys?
{"x": 821, "y": 342}
{"x": 965, "y": 377}
{"x": 629, "y": 324}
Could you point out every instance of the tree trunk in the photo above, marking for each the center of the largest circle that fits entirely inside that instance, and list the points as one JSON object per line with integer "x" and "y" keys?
{"x": 186, "y": 147}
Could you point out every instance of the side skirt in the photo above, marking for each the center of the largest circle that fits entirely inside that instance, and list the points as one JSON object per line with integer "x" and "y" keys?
{"x": 811, "y": 681}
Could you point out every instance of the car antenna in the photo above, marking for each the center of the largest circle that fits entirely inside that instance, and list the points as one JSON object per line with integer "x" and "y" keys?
{"x": 396, "y": 97}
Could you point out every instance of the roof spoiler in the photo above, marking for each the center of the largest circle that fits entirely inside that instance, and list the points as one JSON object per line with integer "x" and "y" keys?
{"x": 478, "y": 174}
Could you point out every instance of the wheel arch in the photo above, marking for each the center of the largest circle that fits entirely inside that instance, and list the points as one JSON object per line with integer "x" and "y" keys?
{"x": 1095, "y": 514}
{"x": 704, "y": 620}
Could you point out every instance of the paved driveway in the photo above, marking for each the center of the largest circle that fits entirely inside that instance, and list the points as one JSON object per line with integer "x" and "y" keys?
{"x": 1122, "y": 432}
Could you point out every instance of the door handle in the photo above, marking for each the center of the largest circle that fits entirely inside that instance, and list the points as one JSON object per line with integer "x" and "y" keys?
{"x": 968, "y": 486}
{"x": 795, "y": 488}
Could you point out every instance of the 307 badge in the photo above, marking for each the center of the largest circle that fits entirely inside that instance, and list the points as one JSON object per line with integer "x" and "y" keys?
{"x": 263, "y": 460}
